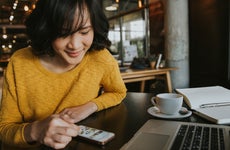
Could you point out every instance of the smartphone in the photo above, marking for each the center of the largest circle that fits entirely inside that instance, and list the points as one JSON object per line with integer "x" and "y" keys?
{"x": 94, "y": 135}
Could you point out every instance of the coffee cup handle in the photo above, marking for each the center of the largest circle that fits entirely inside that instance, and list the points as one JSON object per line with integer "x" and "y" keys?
{"x": 153, "y": 101}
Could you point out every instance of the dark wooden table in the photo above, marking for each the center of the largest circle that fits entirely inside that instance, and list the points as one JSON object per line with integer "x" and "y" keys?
{"x": 124, "y": 120}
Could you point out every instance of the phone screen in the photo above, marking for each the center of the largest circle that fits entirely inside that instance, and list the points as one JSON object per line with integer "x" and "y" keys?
{"x": 95, "y": 135}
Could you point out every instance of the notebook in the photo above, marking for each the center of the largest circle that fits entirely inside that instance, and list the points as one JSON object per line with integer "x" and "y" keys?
{"x": 175, "y": 135}
{"x": 211, "y": 103}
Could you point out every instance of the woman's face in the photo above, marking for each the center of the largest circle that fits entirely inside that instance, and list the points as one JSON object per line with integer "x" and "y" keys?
{"x": 72, "y": 48}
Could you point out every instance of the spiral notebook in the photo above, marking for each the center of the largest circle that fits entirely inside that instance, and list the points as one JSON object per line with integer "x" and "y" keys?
{"x": 211, "y": 103}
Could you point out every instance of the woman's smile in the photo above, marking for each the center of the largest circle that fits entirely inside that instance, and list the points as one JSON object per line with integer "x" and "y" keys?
{"x": 74, "y": 53}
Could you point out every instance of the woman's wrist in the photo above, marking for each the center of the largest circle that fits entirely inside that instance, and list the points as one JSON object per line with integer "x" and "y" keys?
{"x": 29, "y": 134}
{"x": 93, "y": 106}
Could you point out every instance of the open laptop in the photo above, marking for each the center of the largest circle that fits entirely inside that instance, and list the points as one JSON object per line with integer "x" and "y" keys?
{"x": 174, "y": 135}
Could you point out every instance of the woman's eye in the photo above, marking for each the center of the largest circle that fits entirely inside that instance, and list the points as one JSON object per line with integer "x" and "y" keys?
{"x": 84, "y": 32}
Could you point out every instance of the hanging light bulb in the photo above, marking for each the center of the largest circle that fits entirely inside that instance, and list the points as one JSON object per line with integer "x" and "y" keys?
{"x": 139, "y": 3}
{"x": 113, "y": 6}
{"x": 4, "y": 35}
{"x": 33, "y": 6}
{"x": 26, "y": 8}
{"x": 11, "y": 18}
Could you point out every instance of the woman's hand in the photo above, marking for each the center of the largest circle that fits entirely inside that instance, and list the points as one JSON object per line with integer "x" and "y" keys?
{"x": 78, "y": 113}
{"x": 52, "y": 131}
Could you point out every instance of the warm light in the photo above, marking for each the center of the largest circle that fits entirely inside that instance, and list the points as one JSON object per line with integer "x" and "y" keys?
{"x": 117, "y": 1}
{"x": 15, "y": 5}
{"x": 4, "y": 36}
{"x": 10, "y": 46}
{"x": 11, "y": 18}
{"x": 26, "y": 8}
{"x": 33, "y": 6}
{"x": 139, "y": 3}
{"x": 113, "y": 7}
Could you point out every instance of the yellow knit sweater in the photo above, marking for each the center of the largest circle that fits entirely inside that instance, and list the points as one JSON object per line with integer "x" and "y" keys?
{"x": 30, "y": 92}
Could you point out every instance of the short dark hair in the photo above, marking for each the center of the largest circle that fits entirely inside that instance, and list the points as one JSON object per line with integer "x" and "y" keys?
{"x": 47, "y": 20}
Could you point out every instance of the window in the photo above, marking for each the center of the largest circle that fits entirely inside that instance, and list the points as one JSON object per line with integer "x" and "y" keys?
{"x": 128, "y": 29}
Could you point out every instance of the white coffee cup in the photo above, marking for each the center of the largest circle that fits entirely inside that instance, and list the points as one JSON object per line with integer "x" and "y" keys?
{"x": 168, "y": 103}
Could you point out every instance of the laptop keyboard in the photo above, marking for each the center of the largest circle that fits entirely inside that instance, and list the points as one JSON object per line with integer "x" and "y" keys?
{"x": 193, "y": 137}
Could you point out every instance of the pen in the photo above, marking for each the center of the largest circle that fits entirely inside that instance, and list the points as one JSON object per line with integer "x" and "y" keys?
{"x": 215, "y": 105}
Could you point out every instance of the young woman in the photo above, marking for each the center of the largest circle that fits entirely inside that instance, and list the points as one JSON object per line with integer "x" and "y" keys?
{"x": 55, "y": 83}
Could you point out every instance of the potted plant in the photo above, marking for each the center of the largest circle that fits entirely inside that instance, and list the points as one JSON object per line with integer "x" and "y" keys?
{"x": 152, "y": 60}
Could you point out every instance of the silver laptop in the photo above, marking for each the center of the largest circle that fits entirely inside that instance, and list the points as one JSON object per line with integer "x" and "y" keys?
{"x": 174, "y": 135}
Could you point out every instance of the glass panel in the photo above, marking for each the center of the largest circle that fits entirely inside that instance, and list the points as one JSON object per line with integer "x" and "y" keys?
{"x": 128, "y": 34}
{"x": 128, "y": 30}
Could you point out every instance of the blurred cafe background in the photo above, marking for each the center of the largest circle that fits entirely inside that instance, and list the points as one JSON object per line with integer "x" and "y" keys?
{"x": 191, "y": 35}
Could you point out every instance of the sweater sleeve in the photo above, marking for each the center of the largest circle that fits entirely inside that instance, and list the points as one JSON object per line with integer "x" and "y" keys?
{"x": 11, "y": 120}
{"x": 114, "y": 89}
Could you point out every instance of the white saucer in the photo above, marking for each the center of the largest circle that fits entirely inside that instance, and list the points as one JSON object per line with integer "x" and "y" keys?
{"x": 154, "y": 111}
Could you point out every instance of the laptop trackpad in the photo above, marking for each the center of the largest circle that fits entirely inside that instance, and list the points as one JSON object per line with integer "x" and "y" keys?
{"x": 148, "y": 141}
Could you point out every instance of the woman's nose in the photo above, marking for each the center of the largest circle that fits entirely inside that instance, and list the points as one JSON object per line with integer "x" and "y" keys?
{"x": 75, "y": 41}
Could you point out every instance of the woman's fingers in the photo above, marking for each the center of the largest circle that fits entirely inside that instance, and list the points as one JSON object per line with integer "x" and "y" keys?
{"x": 57, "y": 132}
{"x": 70, "y": 131}
{"x": 67, "y": 118}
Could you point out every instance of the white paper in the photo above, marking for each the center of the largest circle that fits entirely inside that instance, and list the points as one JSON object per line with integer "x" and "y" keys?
{"x": 219, "y": 115}
{"x": 195, "y": 97}
{"x": 212, "y": 95}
